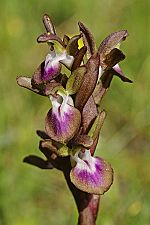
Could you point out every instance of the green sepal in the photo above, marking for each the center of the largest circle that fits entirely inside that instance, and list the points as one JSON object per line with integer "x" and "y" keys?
{"x": 97, "y": 125}
{"x": 62, "y": 150}
{"x": 72, "y": 153}
{"x": 75, "y": 80}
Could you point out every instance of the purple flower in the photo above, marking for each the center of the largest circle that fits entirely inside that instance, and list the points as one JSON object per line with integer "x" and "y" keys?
{"x": 91, "y": 174}
{"x": 53, "y": 62}
{"x": 109, "y": 52}
{"x": 63, "y": 119}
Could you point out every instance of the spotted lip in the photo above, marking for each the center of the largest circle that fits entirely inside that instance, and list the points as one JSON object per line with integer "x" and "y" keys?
{"x": 52, "y": 71}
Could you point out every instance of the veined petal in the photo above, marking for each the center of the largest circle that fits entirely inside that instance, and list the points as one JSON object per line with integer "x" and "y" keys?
{"x": 63, "y": 120}
{"x": 91, "y": 174}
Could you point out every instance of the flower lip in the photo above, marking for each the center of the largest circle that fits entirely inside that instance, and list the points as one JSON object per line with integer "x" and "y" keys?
{"x": 91, "y": 174}
{"x": 53, "y": 63}
{"x": 63, "y": 120}
{"x": 52, "y": 66}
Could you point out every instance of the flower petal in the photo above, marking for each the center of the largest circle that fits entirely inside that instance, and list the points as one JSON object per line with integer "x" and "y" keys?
{"x": 114, "y": 57}
{"x": 82, "y": 139}
{"x": 92, "y": 174}
{"x": 67, "y": 60}
{"x": 62, "y": 121}
{"x": 66, "y": 40}
{"x": 52, "y": 87}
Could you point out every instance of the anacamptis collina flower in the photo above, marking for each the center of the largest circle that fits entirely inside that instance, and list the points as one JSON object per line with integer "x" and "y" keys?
{"x": 74, "y": 120}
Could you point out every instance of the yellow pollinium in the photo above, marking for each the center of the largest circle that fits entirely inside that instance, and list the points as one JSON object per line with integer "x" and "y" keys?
{"x": 80, "y": 43}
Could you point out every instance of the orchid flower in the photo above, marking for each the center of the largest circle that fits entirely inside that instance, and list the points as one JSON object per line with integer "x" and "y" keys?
{"x": 110, "y": 54}
{"x": 63, "y": 119}
{"x": 91, "y": 174}
{"x": 53, "y": 63}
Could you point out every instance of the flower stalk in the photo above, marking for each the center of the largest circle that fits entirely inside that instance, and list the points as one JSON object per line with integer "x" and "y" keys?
{"x": 74, "y": 119}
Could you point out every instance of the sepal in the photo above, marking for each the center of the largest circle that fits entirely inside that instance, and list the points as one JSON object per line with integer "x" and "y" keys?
{"x": 75, "y": 80}
{"x": 112, "y": 41}
{"x": 48, "y": 24}
{"x": 38, "y": 162}
{"x": 88, "y": 39}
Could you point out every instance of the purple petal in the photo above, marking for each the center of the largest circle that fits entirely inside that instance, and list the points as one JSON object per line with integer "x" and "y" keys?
{"x": 94, "y": 176}
{"x": 62, "y": 122}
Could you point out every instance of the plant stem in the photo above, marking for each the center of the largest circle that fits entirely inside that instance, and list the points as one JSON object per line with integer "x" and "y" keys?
{"x": 87, "y": 204}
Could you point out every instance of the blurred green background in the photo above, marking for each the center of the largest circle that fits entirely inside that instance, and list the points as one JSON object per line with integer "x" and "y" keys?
{"x": 30, "y": 196}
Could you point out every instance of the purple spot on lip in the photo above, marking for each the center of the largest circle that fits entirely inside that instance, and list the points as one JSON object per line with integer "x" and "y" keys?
{"x": 89, "y": 177}
{"x": 96, "y": 179}
{"x": 98, "y": 167}
{"x": 50, "y": 73}
{"x": 61, "y": 125}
